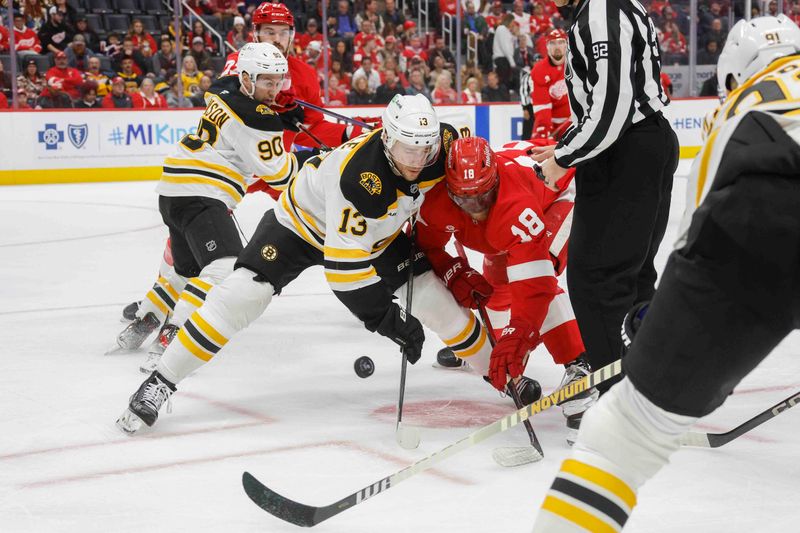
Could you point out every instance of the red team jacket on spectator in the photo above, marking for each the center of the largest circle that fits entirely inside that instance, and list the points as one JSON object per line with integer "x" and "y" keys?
{"x": 5, "y": 44}
{"x": 550, "y": 99}
{"x": 140, "y": 101}
{"x": 516, "y": 226}
{"x": 71, "y": 80}
{"x": 26, "y": 39}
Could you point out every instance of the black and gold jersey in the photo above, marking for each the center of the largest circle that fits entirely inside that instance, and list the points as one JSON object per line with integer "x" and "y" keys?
{"x": 238, "y": 141}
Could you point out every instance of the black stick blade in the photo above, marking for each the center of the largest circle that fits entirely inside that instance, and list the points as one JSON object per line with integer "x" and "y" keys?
{"x": 277, "y": 505}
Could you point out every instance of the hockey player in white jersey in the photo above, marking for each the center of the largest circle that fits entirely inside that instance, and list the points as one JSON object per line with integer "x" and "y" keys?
{"x": 346, "y": 210}
{"x": 239, "y": 140}
{"x": 727, "y": 297}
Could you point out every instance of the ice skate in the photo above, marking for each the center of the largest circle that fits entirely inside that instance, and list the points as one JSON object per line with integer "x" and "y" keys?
{"x": 446, "y": 358}
{"x": 135, "y": 333}
{"x": 157, "y": 347}
{"x": 145, "y": 403}
{"x": 529, "y": 390}
{"x": 574, "y": 408}
{"x": 129, "y": 312}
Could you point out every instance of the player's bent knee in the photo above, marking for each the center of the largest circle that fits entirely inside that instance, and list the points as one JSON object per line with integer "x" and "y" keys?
{"x": 218, "y": 269}
{"x": 434, "y": 306}
{"x": 240, "y": 299}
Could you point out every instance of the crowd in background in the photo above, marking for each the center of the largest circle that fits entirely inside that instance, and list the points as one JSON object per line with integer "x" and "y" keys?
{"x": 376, "y": 49}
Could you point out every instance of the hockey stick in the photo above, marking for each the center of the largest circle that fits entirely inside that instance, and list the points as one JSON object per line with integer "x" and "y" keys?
{"x": 407, "y": 437}
{"x": 715, "y": 440}
{"x": 308, "y": 515}
{"x": 507, "y": 455}
{"x": 316, "y": 139}
{"x": 335, "y": 115}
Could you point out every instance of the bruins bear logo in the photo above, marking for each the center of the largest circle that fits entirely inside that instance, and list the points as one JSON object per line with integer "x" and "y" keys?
{"x": 264, "y": 110}
{"x": 269, "y": 252}
{"x": 371, "y": 182}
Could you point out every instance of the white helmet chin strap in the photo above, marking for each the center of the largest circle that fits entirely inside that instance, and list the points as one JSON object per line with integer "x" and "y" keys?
{"x": 252, "y": 90}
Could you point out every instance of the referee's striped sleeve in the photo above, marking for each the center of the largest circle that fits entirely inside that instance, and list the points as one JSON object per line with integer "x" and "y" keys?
{"x": 605, "y": 42}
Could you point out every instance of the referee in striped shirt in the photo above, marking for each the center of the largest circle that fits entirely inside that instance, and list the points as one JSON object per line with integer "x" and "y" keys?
{"x": 625, "y": 154}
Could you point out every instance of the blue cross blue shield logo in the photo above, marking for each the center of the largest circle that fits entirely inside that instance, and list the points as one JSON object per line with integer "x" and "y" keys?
{"x": 77, "y": 134}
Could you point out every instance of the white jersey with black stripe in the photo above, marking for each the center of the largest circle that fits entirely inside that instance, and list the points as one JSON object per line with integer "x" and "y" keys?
{"x": 237, "y": 142}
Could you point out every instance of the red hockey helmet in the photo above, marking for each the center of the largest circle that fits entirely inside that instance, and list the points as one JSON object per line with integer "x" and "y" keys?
{"x": 269, "y": 13}
{"x": 556, "y": 34}
{"x": 471, "y": 174}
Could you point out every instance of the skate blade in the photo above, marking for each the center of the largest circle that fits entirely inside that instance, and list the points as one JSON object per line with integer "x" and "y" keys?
{"x": 115, "y": 349}
{"x": 465, "y": 366}
{"x": 510, "y": 456}
{"x": 129, "y": 423}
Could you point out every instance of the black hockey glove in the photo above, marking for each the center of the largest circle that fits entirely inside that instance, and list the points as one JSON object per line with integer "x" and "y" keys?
{"x": 291, "y": 116}
{"x": 631, "y": 324}
{"x": 403, "y": 329}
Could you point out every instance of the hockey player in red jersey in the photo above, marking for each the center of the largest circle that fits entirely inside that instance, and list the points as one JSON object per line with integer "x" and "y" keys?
{"x": 550, "y": 98}
{"x": 494, "y": 204}
{"x": 274, "y": 23}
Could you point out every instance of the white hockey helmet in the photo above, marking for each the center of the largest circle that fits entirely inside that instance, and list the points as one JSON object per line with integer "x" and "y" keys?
{"x": 410, "y": 131}
{"x": 260, "y": 58}
{"x": 754, "y": 44}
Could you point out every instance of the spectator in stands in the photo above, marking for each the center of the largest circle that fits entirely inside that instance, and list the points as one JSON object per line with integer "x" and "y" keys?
{"x": 389, "y": 49}
{"x": 371, "y": 14}
{"x": 238, "y": 36}
{"x": 141, "y": 64}
{"x": 474, "y": 21}
{"x": 542, "y": 21}
{"x": 345, "y": 80}
{"x": 35, "y": 14}
{"x": 391, "y": 64}
{"x": 715, "y": 33}
{"x": 92, "y": 39}
{"x": 709, "y": 55}
{"x": 795, "y": 13}
{"x": 360, "y": 95}
{"x": 200, "y": 54}
{"x": 126, "y": 72}
{"x": 343, "y": 56}
{"x": 190, "y": 77}
{"x": 3, "y": 101}
{"x": 392, "y": 15}
{"x": 113, "y": 49}
{"x": 55, "y": 34}
{"x": 416, "y": 84}
{"x": 439, "y": 50}
{"x": 346, "y": 26}
{"x": 472, "y": 93}
{"x": 367, "y": 31}
{"x": 503, "y": 50}
{"x": 494, "y": 90}
{"x": 710, "y": 86}
{"x": 437, "y": 70}
{"x": 118, "y": 98}
{"x": 100, "y": 79}
{"x": 443, "y": 93}
{"x": 417, "y": 62}
{"x": 470, "y": 70}
{"x": 25, "y": 39}
{"x": 89, "y": 99}
{"x": 5, "y": 81}
{"x": 225, "y": 10}
{"x": 409, "y": 31}
{"x": 368, "y": 73}
{"x": 70, "y": 78}
{"x": 389, "y": 88}
{"x": 138, "y": 35}
{"x": 69, "y": 13}
{"x": 78, "y": 54}
{"x": 525, "y": 21}
{"x": 674, "y": 45}
{"x": 337, "y": 93}
{"x": 313, "y": 55}
{"x": 31, "y": 81}
{"x": 164, "y": 61}
{"x": 415, "y": 48}
{"x": 198, "y": 30}
{"x": 772, "y": 9}
{"x": 495, "y": 17}
{"x": 312, "y": 33}
{"x": 447, "y": 7}
{"x": 666, "y": 83}
{"x": 5, "y": 43}
{"x": 523, "y": 51}
{"x": 367, "y": 50}
{"x": 176, "y": 100}
{"x": 714, "y": 11}
{"x": 147, "y": 97}
{"x": 755, "y": 11}
{"x": 53, "y": 96}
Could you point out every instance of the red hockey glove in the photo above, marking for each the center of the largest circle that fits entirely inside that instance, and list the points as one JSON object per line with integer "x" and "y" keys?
{"x": 467, "y": 285}
{"x": 508, "y": 355}
{"x": 375, "y": 122}
{"x": 284, "y": 101}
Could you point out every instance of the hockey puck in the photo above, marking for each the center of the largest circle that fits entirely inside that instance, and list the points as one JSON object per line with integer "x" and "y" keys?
{"x": 364, "y": 367}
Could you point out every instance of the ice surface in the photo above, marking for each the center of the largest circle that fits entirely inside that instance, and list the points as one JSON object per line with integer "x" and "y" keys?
{"x": 283, "y": 402}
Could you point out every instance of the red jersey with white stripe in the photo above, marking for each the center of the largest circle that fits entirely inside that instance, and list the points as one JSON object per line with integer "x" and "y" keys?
{"x": 515, "y": 227}
{"x": 303, "y": 80}
{"x": 550, "y": 97}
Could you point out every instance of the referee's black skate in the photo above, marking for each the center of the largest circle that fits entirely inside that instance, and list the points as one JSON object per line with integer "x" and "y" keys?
{"x": 135, "y": 333}
{"x": 145, "y": 403}
{"x": 574, "y": 408}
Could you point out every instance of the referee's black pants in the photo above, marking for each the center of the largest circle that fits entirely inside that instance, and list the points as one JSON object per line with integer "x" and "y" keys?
{"x": 621, "y": 211}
